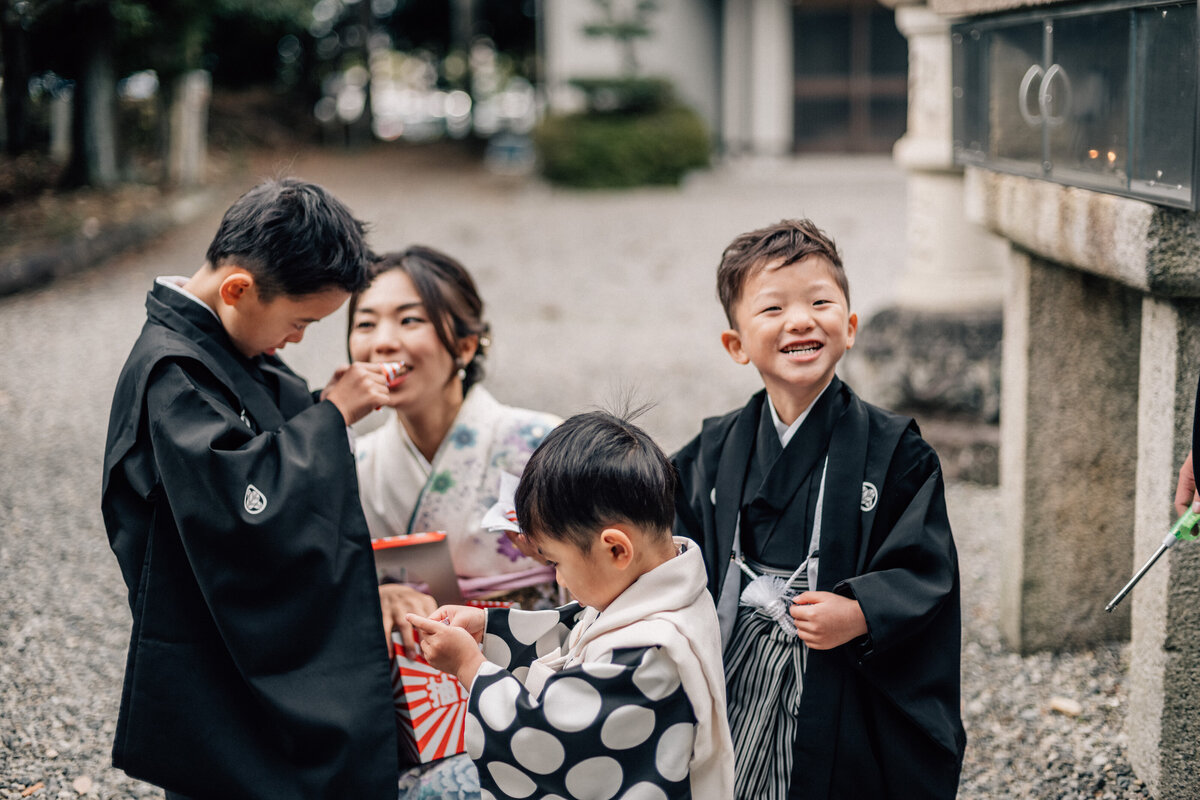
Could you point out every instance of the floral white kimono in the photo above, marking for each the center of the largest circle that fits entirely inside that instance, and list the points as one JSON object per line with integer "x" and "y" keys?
{"x": 403, "y": 493}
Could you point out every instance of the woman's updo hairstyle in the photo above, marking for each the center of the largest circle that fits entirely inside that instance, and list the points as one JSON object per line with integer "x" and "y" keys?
{"x": 450, "y": 298}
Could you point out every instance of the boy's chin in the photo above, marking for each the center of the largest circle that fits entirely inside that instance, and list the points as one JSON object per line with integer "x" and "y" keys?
{"x": 796, "y": 385}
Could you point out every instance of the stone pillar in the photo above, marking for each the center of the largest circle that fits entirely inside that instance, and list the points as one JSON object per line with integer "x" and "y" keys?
{"x": 1068, "y": 453}
{"x": 62, "y": 106}
{"x": 952, "y": 265}
{"x": 936, "y": 352}
{"x": 772, "y": 77}
{"x": 735, "y": 78}
{"x": 1101, "y": 359}
{"x": 758, "y": 77}
{"x": 1164, "y": 665}
{"x": 188, "y": 151}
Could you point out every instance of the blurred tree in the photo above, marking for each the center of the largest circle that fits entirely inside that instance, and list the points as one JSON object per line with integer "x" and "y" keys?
{"x": 78, "y": 41}
{"x": 624, "y": 25}
{"x": 172, "y": 38}
{"x": 15, "y": 20}
{"x": 92, "y": 41}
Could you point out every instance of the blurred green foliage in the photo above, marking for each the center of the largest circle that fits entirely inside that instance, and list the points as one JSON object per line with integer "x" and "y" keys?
{"x": 624, "y": 24}
{"x": 615, "y": 150}
{"x": 625, "y": 95}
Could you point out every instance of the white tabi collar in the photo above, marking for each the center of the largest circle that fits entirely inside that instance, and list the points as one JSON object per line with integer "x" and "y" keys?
{"x": 175, "y": 283}
{"x": 786, "y": 432}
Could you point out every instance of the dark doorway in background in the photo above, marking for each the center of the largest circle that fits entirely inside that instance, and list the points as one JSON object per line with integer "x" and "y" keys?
{"x": 851, "y": 77}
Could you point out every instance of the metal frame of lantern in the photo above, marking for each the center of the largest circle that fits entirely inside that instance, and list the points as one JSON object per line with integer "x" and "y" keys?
{"x": 1044, "y": 95}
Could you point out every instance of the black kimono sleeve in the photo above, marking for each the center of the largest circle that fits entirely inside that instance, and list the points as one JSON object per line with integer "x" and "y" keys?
{"x": 912, "y": 563}
{"x": 908, "y": 666}
{"x": 253, "y": 515}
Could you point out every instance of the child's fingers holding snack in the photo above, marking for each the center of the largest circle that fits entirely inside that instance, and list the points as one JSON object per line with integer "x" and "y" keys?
{"x": 470, "y": 619}
{"x": 448, "y": 648}
{"x": 360, "y": 388}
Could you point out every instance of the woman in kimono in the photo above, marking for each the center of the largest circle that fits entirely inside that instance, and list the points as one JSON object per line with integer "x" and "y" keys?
{"x": 437, "y": 463}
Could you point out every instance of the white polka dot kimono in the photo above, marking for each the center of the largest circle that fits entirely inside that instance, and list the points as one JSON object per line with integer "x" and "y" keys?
{"x": 619, "y": 726}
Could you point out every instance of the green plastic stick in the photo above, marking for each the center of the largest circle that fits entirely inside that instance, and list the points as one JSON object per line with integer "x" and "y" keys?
{"x": 1184, "y": 528}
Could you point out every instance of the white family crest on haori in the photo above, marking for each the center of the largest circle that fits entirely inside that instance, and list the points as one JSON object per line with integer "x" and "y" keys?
{"x": 870, "y": 496}
{"x": 255, "y": 501}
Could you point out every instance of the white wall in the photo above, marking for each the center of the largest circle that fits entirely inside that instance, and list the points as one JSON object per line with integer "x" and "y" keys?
{"x": 683, "y": 48}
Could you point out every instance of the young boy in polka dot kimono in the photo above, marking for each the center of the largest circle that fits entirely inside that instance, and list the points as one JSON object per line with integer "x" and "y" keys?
{"x": 618, "y": 695}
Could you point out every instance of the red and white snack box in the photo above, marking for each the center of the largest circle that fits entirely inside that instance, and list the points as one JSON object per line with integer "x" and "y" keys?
{"x": 431, "y": 710}
{"x": 431, "y": 705}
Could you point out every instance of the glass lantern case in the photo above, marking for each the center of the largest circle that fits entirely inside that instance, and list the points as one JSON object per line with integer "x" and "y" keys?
{"x": 1100, "y": 96}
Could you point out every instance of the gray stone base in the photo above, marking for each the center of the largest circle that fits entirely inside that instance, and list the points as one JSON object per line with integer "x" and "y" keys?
{"x": 943, "y": 368}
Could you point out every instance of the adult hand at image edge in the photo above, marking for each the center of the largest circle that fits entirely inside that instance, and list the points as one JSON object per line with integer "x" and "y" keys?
{"x": 396, "y": 600}
{"x": 1185, "y": 489}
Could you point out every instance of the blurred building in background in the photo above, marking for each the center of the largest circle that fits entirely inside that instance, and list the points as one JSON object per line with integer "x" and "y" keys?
{"x": 769, "y": 76}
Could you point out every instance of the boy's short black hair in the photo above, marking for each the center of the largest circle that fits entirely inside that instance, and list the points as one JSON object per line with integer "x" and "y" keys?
{"x": 787, "y": 241}
{"x": 596, "y": 469}
{"x": 294, "y": 237}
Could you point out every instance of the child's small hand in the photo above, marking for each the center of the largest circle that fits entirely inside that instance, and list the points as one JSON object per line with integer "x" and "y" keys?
{"x": 470, "y": 619}
{"x": 356, "y": 390}
{"x": 825, "y": 620}
{"x": 448, "y": 648}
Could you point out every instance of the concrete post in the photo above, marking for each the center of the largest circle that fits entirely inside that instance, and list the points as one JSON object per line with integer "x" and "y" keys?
{"x": 735, "y": 78}
{"x": 1094, "y": 432}
{"x": 936, "y": 351}
{"x": 188, "y": 150}
{"x": 757, "y": 94}
{"x": 62, "y": 106}
{"x": 771, "y": 77}
{"x": 1068, "y": 454}
{"x": 952, "y": 265}
{"x": 1164, "y": 664}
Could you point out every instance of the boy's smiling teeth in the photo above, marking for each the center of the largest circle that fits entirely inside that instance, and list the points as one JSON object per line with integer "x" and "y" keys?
{"x": 807, "y": 347}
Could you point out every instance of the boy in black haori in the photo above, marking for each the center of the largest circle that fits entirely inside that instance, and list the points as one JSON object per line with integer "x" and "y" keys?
{"x": 824, "y": 530}
{"x": 255, "y": 668}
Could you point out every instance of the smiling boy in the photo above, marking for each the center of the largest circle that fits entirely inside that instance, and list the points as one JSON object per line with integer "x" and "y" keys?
{"x": 824, "y": 530}
{"x": 255, "y": 663}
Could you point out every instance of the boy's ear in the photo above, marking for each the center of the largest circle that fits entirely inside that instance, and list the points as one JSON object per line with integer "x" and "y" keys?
{"x": 234, "y": 286}
{"x": 731, "y": 340}
{"x": 851, "y": 330}
{"x": 617, "y": 544}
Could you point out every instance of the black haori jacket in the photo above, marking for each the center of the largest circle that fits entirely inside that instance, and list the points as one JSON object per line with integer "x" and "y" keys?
{"x": 879, "y": 717}
{"x": 257, "y": 666}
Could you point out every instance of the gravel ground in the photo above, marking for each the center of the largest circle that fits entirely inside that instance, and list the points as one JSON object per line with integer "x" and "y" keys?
{"x": 621, "y": 284}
